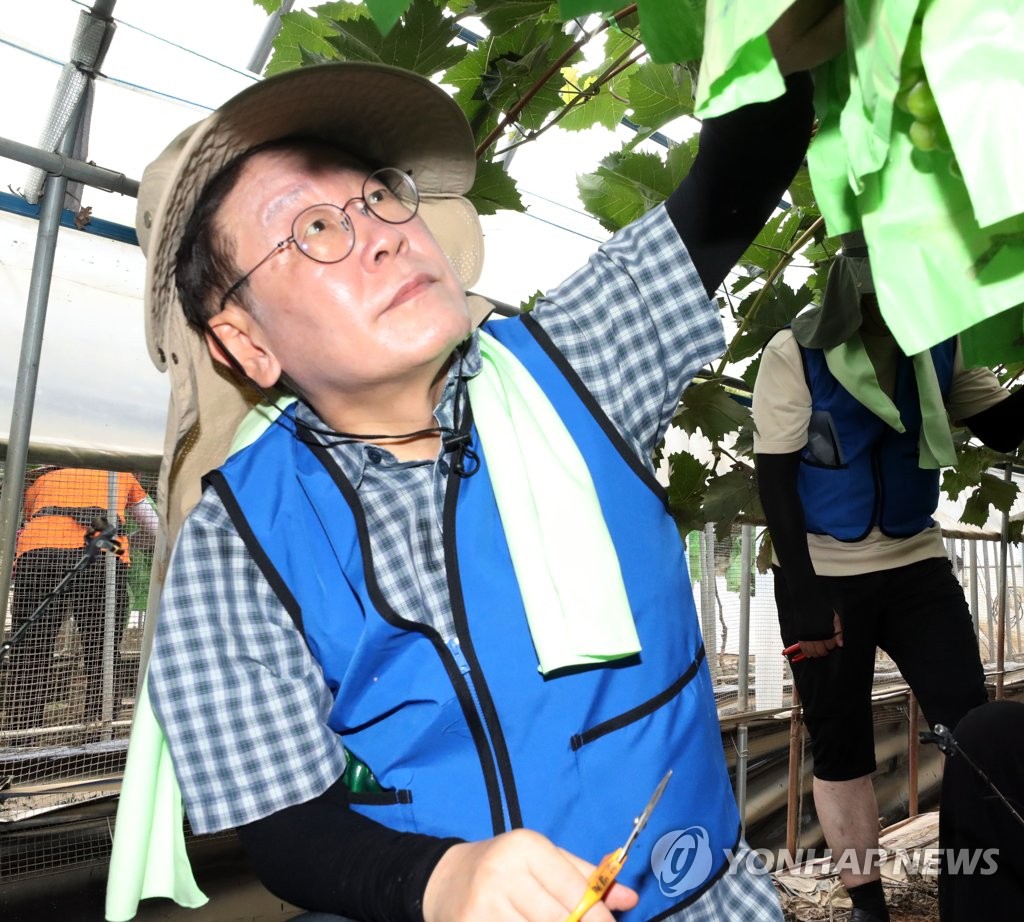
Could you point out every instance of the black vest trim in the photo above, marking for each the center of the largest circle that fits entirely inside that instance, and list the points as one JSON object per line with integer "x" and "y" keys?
{"x": 609, "y": 429}
{"x": 459, "y": 683}
{"x": 217, "y": 481}
{"x": 487, "y": 706}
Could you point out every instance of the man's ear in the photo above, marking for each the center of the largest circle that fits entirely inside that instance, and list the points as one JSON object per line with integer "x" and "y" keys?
{"x": 238, "y": 332}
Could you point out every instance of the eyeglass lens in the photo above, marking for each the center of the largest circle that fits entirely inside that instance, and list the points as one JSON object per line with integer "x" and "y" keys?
{"x": 325, "y": 233}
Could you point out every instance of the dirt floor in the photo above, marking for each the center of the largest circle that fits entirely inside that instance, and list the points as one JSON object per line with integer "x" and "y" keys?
{"x": 811, "y": 892}
{"x": 907, "y": 904}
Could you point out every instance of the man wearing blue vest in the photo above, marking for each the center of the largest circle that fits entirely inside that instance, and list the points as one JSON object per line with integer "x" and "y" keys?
{"x": 427, "y": 639}
{"x": 850, "y": 434}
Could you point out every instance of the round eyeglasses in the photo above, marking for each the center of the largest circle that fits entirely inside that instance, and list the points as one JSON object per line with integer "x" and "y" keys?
{"x": 325, "y": 233}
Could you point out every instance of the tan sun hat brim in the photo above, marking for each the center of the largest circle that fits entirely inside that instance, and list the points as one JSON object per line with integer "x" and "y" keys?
{"x": 381, "y": 114}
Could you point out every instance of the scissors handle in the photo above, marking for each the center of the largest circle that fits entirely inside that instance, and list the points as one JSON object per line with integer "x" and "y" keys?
{"x": 601, "y": 878}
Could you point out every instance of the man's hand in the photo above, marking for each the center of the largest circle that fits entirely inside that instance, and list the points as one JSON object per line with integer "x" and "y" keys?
{"x": 816, "y": 648}
{"x": 809, "y": 33}
{"x": 516, "y": 876}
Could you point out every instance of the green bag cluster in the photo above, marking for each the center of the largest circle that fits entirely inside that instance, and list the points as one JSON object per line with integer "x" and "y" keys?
{"x": 918, "y": 145}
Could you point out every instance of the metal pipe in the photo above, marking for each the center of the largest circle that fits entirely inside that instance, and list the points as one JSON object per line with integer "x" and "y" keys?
{"x": 266, "y": 40}
{"x": 792, "y": 795}
{"x": 1004, "y": 542}
{"x": 1012, "y": 567}
{"x": 92, "y": 456}
{"x": 58, "y": 164}
{"x": 988, "y": 601}
{"x": 742, "y": 673}
{"x": 28, "y": 364}
{"x": 709, "y": 617}
{"x": 109, "y": 613}
{"x": 974, "y": 590}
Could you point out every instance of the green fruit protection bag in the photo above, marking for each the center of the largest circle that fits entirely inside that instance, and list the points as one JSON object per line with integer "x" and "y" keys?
{"x": 936, "y": 271}
{"x": 974, "y": 57}
{"x": 944, "y": 226}
{"x": 946, "y": 235}
{"x": 738, "y": 66}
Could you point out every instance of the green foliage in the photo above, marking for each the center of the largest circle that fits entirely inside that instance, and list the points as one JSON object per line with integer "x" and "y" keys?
{"x": 765, "y": 312}
{"x": 493, "y": 189}
{"x": 710, "y": 409}
{"x": 586, "y": 106}
{"x": 627, "y": 184}
{"x": 726, "y": 497}
{"x": 992, "y": 492}
{"x": 503, "y": 15}
{"x": 385, "y": 13}
{"x": 531, "y": 302}
{"x": 659, "y": 93}
{"x": 421, "y": 43}
{"x": 672, "y": 30}
{"x": 687, "y": 477}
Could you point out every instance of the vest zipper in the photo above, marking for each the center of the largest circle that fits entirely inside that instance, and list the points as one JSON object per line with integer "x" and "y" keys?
{"x": 507, "y": 795}
{"x": 498, "y": 803}
{"x": 455, "y": 664}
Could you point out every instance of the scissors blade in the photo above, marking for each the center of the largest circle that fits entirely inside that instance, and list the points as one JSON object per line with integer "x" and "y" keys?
{"x": 641, "y": 820}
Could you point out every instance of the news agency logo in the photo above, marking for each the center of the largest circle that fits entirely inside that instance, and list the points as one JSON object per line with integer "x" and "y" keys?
{"x": 682, "y": 860}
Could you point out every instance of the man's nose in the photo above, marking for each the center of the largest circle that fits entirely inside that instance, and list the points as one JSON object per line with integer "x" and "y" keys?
{"x": 376, "y": 240}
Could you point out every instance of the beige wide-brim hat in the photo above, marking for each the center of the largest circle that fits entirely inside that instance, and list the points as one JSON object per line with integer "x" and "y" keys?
{"x": 382, "y": 115}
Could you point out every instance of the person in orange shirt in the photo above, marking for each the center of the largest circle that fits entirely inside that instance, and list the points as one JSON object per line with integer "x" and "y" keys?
{"x": 58, "y": 507}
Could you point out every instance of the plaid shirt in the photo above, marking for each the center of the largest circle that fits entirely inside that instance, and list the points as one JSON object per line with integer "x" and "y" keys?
{"x": 241, "y": 700}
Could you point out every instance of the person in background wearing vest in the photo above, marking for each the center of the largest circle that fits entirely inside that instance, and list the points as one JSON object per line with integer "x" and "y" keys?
{"x": 447, "y": 567}
{"x": 850, "y": 434}
{"x": 59, "y": 507}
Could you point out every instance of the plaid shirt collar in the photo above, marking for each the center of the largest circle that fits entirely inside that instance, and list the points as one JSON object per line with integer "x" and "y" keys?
{"x": 354, "y": 457}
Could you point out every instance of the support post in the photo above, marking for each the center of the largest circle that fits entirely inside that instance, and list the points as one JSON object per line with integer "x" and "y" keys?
{"x": 793, "y": 796}
{"x": 743, "y": 673}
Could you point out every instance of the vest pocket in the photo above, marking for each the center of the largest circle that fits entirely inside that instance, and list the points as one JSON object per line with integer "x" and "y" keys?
{"x": 380, "y": 798}
{"x": 392, "y": 808}
{"x": 677, "y": 729}
{"x": 640, "y": 711}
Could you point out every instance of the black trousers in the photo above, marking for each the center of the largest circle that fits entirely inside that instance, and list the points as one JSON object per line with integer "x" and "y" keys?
{"x": 28, "y": 684}
{"x": 975, "y": 883}
{"x": 918, "y": 615}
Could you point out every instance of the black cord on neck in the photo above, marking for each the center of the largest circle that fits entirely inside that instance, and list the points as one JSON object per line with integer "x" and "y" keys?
{"x": 452, "y": 441}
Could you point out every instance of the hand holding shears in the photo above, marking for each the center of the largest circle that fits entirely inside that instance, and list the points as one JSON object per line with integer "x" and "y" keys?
{"x": 603, "y": 876}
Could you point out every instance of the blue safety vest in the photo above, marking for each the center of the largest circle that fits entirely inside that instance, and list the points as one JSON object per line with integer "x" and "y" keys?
{"x": 467, "y": 737}
{"x": 875, "y": 479}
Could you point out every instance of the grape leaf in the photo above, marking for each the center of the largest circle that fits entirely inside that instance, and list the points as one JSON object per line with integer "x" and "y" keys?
{"x": 992, "y": 492}
{"x": 493, "y": 189}
{"x": 672, "y": 30}
{"x": 709, "y": 408}
{"x": 726, "y": 497}
{"x": 386, "y": 13}
{"x": 659, "y": 93}
{"x": 624, "y": 186}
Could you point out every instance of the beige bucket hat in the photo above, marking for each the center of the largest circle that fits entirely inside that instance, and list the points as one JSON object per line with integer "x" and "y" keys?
{"x": 380, "y": 114}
